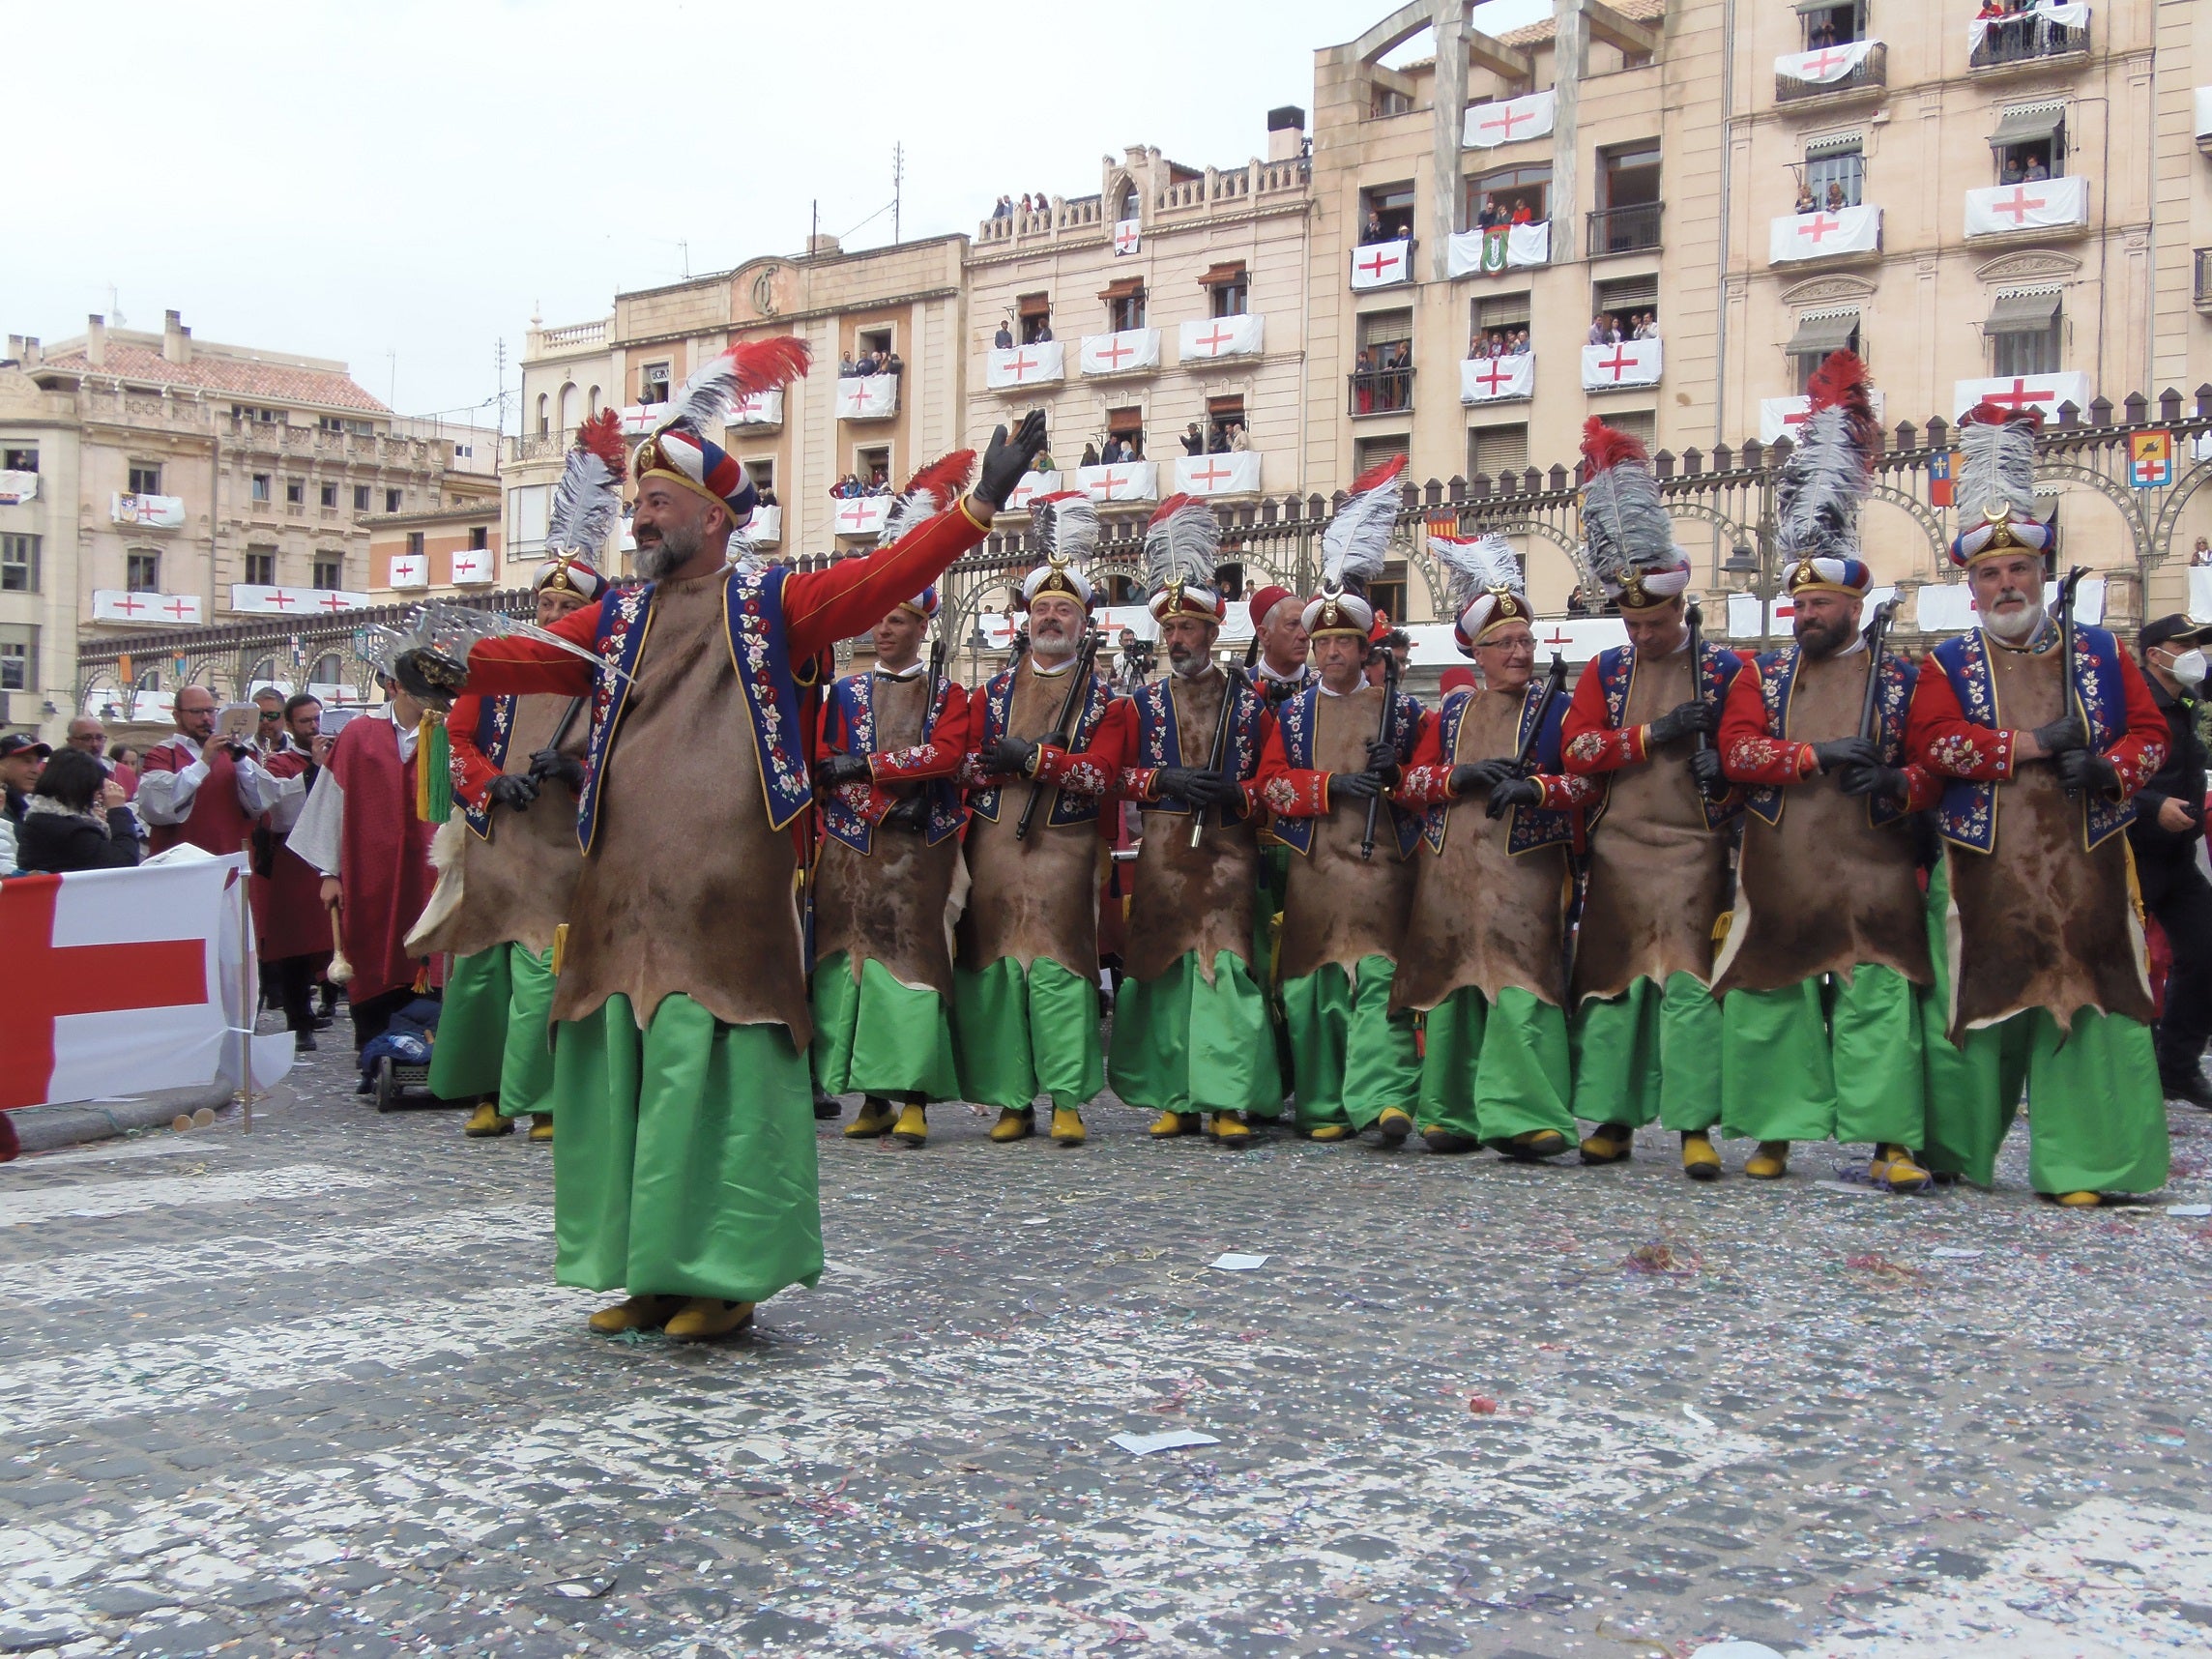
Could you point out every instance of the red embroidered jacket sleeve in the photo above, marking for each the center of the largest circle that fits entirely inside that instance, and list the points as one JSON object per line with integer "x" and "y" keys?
{"x": 1750, "y": 751}
{"x": 1137, "y": 782}
{"x": 1092, "y": 771}
{"x": 941, "y": 756}
{"x": 1427, "y": 778}
{"x": 1286, "y": 790}
{"x": 1589, "y": 743}
{"x": 1938, "y": 736}
{"x": 2143, "y": 747}
{"x": 473, "y": 771}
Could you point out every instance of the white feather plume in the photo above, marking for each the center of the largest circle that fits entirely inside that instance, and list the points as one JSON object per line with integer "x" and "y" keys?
{"x": 1356, "y": 544}
{"x": 1182, "y": 542}
{"x": 1479, "y": 567}
{"x": 1070, "y": 532}
{"x": 1997, "y": 463}
{"x": 585, "y": 506}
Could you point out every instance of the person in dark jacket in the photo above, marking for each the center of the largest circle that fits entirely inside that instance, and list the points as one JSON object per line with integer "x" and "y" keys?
{"x": 2168, "y": 825}
{"x": 77, "y": 820}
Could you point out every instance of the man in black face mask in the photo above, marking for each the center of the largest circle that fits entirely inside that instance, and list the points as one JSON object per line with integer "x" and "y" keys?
{"x": 2169, "y": 822}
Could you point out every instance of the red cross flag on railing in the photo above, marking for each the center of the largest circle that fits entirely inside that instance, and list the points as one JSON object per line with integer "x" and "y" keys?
{"x": 1629, "y": 362}
{"x": 1220, "y": 336}
{"x": 1378, "y": 264}
{"x": 2017, "y": 392}
{"x": 2040, "y": 204}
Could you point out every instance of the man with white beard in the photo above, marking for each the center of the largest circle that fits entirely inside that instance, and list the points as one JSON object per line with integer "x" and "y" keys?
{"x": 1024, "y": 977}
{"x": 2047, "y": 977}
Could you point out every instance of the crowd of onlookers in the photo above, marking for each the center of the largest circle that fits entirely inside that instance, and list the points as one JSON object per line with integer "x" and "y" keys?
{"x": 1226, "y": 437}
{"x": 1499, "y": 342}
{"x": 1037, "y": 331}
{"x": 848, "y": 486}
{"x": 1810, "y": 201}
{"x": 1007, "y": 207}
{"x": 1494, "y": 213}
{"x": 869, "y": 363}
{"x": 1606, "y": 329}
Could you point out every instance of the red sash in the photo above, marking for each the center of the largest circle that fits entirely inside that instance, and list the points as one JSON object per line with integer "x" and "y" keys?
{"x": 384, "y": 856}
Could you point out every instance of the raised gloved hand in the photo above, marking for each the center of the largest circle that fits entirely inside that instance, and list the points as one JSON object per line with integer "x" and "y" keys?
{"x": 1480, "y": 777}
{"x": 837, "y": 771}
{"x": 2086, "y": 770}
{"x": 1188, "y": 783}
{"x": 1886, "y": 782}
{"x": 1010, "y": 757}
{"x": 1354, "y": 785}
{"x": 513, "y": 792}
{"x": 1007, "y": 459}
{"x": 909, "y": 814}
{"x": 551, "y": 766}
{"x": 1514, "y": 792}
{"x": 2060, "y": 735}
{"x": 1706, "y": 768}
{"x": 1682, "y": 720}
{"x": 1383, "y": 760}
{"x": 1846, "y": 751}
{"x": 431, "y": 676}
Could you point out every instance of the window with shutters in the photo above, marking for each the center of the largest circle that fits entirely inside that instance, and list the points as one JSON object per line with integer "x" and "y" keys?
{"x": 1495, "y": 451}
{"x": 261, "y": 567}
{"x": 330, "y": 571}
{"x": 1386, "y": 213}
{"x": 330, "y": 495}
{"x": 18, "y": 460}
{"x": 1629, "y": 297}
{"x": 1509, "y": 196}
{"x": 295, "y": 492}
{"x": 142, "y": 572}
{"x": 391, "y": 499}
{"x": 1374, "y": 452}
{"x": 652, "y": 385}
{"x": 19, "y": 564}
{"x": 1641, "y": 425}
{"x": 1835, "y": 172}
{"x": 145, "y": 478}
{"x": 1228, "y": 289}
{"x": 361, "y": 498}
{"x": 1382, "y": 373}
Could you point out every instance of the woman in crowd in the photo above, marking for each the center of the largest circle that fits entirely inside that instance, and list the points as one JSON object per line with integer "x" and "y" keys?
{"x": 77, "y": 820}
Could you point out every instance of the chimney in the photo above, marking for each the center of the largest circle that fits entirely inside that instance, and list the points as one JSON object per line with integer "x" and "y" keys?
{"x": 1286, "y": 132}
{"x": 32, "y": 355}
{"x": 176, "y": 338}
{"x": 824, "y": 246}
{"x": 95, "y": 341}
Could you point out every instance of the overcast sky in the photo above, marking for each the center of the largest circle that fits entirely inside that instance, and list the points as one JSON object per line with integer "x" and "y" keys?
{"x": 415, "y": 179}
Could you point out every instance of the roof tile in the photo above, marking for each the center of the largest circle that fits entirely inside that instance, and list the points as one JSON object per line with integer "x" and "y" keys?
{"x": 276, "y": 381}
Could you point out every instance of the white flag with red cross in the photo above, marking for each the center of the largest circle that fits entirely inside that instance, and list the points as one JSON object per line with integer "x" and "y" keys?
{"x": 124, "y": 981}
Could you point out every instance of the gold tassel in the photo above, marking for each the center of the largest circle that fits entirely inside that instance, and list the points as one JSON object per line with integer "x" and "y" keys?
{"x": 560, "y": 946}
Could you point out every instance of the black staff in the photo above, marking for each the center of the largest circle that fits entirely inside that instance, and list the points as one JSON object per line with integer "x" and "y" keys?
{"x": 1878, "y": 635}
{"x": 1063, "y": 728}
{"x": 1382, "y": 735}
{"x": 2074, "y": 703}
{"x": 1219, "y": 754}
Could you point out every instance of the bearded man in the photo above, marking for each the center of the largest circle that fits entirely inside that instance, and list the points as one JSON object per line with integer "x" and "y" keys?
{"x": 1355, "y": 1063}
{"x": 1485, "y": 955}
{"x": 2047, "y": 977}
{"x": 1191, "y": 1036}
{"x": 291, "y": 928}
{"x": 1025, "y": 1007}
{"x": 1647, "y": 1032}
{"x": 1821, "y": 1002}
{"x": 891, "y": 741}
{"x": 685, "y": 1168}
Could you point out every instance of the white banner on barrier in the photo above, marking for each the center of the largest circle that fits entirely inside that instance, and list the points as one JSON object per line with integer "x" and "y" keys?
{"x": 1025, "y": 365}
{"x": 1127, "y": 481}
{"x": 1236, "y": 473}
{"x": 1122, "y": 353}
{"x": 1948, "y": 607}
{"x": 867, "y": 397}
{"x": 758, "y": 409}
{"x": 1033, "y": 485}
{"x": 1630, "y": 363}
{"x": 2043, "y": 391}
{"x": 1510, "y": 121}
{"x": 475, "y": 568}
{"x": 1378, "y": 264}
{"x": 2067, "y": 17}
{"x": 17, "y": 488}
{"x": 154, "y": 511}
{"x": 1494, "y": 379}
{"x": 259, "y": 601}
{"x": 1502, "y": 248}
{"x": 862, "y": 515}
{"x": 409, "y": 571}
{"x": 765, "y": 528}
{"x": 1823, "y": 234}
{"x": 161, "y": 610}
{"x": 1780, "y": 417}
{"x": 1219, "y": 337}
{"x": 1825, "y": 66}
{"x": 2038, "y": 204}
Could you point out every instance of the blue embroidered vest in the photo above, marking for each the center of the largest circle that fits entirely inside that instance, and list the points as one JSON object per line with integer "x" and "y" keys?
{"x": 1296, "y": 718}
{"x": 1778, "y": 675}
{"x": 1717, "y": 667}
{"x": 1968, "y": 814}
{"x": 1159, "y": 743}
{"x": 1532, "y": 826}
{"x": 752, "y": 609}
{"x": 998, "y": 707}
{"x": 495, "y": 726}
{"x": 853, "y": 711}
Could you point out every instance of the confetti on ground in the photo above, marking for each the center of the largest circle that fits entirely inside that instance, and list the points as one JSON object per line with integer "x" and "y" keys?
{"x": 1169, "y": 1439}
{"x": 1234, "y": 1264}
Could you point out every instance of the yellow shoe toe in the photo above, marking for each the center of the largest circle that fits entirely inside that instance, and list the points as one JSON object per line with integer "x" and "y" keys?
{"x": 1699, "y": 1162}
{"x": 542, "y": 1125}
{"x": 873, "y": 1120}
{"x": 1771, "y": 1162}
{"x": 1395, "y": 1124}
{"x": 1229, "y": 1129}
{"x": 1013, "y": 1126}
{"x": 484, "y": 1122}
{"x": 702, "y": 1319}
{"x": 1169, "y": 1124}
{"x": 1067, "y": 1127}
{"x": 1329, "y": 1132}
{"x": 634, "y": 1313}
{"x": 1610, "y": 1144}
{"x": 912, "y": 1129}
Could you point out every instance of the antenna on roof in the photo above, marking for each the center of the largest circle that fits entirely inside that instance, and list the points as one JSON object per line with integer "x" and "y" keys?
{"x": 898, "y": 180}
{"x": 115, "y": 307}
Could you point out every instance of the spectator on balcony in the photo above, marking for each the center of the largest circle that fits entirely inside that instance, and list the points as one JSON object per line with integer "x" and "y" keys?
{"x": 1374, "y": 229}
{"x": 894, "y": 364}
{"x": 1239, "y": 439}
{"x": 1522, "y": 212}
{"x": 1600, "y": 329}
{"x": 1837, "y": 200}
{"x": 2012, "y": 170}
{"x": 1004, "y": 339}
{"x": 767, "y": 496}
{"x": 1650, "y": 325}
{"x": 1491, "y": 214}
{"x": 1519, "y": 342}
{"x": 1990, "y": 9}
{"x": 1363, "y": 383}
{"x": 1806, "y": 201}
{"x": 1193, "y": 440}
{"x": 1041, "y": 333}
{"x": 2202, "y": 553}
{"x": 1025, "y": 204}
{"x": 1003, "y": 208}
{"x": 1044, "y": 463}
{"x": 1217, "y": 441}
{"x": 1090, "y": 455}
{"x": 2036, "y": 170}
{"x": 845, "y": 367}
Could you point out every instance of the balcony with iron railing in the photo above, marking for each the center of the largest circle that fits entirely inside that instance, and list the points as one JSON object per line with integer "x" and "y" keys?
{"x": 550, "y": 446}
{"x": 1869, "y": 75}
{"x": 1624, "y": 230}
{"x": 2028, "y": 40}
{"x": 1379, "y": 390}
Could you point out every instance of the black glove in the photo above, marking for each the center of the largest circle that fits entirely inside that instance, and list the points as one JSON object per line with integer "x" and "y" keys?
{"x": 1682, "y": 720}
{"x": 1706, "y": 768}
{"x": 1514, "y": 792}
{"x": 514, "y": 793}
{"x": 1383, "y": 760}
{"x": 910, "y": 813}
{"x": 2086, "y": 770}
{"x": 1354, "y": 785}
{"x": 430, "y": 676}
{"x": 1482, "y": 776}
{"x": 1883, "y": 781}
{"x": 551, "y": 766}
{"x": 1006, "y": 459}
{"x": 1846, "y": 751}
{"x": 1202, "y": 788}
{"x": 2060, "y": 735}
{"x": 837, "y": 771}
{"x": 1010, "y": 757}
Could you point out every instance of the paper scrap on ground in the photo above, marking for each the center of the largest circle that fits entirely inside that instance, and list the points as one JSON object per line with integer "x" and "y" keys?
{"x": 1236, "y": 1264}
{"x": 2188, "y": 1209}
{"x": 1946, "y": 1253}
{"x": 1853, "y": 1189}
{"x": 1169, "y": 1439}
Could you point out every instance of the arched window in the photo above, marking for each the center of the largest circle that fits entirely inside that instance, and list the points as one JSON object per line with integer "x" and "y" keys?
{"x": 568, "y": 407}
{"x": 1127, "y": 207}
{"x": 545, "y": 406}
{"x": 594, "y": 403}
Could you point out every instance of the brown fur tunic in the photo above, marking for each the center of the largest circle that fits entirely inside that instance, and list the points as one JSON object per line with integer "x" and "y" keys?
{"x": 888, "y": 905}
{"x": 1337, "y": 906}
{"x": 516, "y": 886}
{"x": 688, "y": 889}
{"x": 1481, "y": 915}
{"x": 1197, "y": 901}
{"x": 1037, "y": 896}
{"x": 1658, "y": 878}
{"x": 2039, "y": 923}
{"x": 1825, "y": 890}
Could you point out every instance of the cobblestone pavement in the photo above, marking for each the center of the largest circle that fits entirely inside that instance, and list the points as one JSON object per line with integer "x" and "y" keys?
{"x": 314, "y": 1391}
